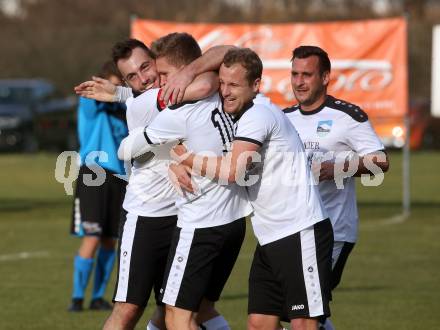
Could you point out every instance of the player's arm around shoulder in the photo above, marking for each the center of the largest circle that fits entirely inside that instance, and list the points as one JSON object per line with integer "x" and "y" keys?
{"x": 209, "y": 61}
{"x": 204, "y": 85}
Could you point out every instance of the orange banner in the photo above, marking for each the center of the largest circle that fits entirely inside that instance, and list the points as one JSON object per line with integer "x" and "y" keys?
{"x": 369, "y": 58}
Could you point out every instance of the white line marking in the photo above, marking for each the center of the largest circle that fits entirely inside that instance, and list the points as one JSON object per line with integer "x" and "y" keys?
{"x": 23, "y": 255}
{"x": 393, "y": 220}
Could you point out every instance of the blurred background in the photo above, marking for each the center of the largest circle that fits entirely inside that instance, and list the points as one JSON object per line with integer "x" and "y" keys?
{"x": 64, "y": 42}
{"x": 49, "y": 46}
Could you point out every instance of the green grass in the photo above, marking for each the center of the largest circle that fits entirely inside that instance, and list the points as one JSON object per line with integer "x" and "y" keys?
{"x": 392, "y": 280}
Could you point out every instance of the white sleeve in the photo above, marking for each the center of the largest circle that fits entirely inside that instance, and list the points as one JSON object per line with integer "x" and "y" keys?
{"x": 168, "y": 126}
{"x": 362, "y": 138}
{"x": 134, "y": 145}
{"x": 254, "y": 126}
{"x": 142, "y": 109}
{"x": 123, "y": 94}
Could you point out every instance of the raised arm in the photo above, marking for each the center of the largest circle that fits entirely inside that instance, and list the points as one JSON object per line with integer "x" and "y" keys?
{"x": 209, "y": 61}
{"x": 103, "y": 90}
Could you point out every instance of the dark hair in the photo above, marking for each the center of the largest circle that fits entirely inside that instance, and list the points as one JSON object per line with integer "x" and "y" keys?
{"x": 123, "y": 49}
{"x": 109, "y": 69}
{"x": 307, "y": 51}
{"x": 247, "y": 58}
{"x": 178, "y": 48}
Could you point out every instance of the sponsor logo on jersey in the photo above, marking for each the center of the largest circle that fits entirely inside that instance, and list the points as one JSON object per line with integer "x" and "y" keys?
{"x": 313, "y": 145}
{"x": 324, "y": 127}
{"x": 297, "y": 307}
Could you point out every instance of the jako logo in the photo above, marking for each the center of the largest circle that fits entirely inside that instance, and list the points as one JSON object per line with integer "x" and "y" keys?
{"x": 297, "y": 307}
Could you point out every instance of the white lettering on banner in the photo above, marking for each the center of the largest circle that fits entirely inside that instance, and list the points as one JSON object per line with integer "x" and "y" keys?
{"x": 367, "y": 81}
{"x": 367, "y": 75}
{"x": 347, "y": 74}
{"x": 213, "y": 38}
{"x": 260, "y": 41}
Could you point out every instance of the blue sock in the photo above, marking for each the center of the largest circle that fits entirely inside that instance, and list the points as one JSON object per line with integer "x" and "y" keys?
{"x": 103, "y": 270}
{"x": 82, "y": 269}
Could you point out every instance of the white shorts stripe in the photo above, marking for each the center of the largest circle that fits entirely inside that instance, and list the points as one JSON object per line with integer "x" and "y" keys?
{"x": 310, "y": 271}
{"x": 178, "y": 266}
{"x": 124, "y": 260}
{"x": 77, "y": 217}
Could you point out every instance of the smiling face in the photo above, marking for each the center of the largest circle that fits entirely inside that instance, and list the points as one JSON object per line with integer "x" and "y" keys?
{"x": 139, "y": 70}
{"x": 308, "y": 85}
{"x": 235, "y": 88}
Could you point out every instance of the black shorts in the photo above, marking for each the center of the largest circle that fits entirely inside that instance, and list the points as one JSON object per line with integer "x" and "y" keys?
{"x": 290, "y": 277}
{"x": 200, "y": 262}
{"x": 143, "y": 250}
{"x": 341, "y": 251}
{"x": 97, "y": 209}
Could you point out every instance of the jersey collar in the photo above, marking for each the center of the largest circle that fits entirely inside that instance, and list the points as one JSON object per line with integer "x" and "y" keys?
{"x": 318, "y": 109}
{"x": 245, "y": 108}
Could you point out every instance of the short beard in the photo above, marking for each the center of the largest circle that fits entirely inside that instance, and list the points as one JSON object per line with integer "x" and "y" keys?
{"x": 315, "y": 96}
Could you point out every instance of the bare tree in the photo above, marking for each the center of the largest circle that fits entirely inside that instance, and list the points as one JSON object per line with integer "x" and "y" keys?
{"x": 66, "y": 41}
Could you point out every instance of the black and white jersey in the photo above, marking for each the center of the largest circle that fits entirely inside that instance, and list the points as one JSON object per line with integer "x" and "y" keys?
{"x": 280, "y": 186}
{"x": 206, "y": 130}
{"x": 149, "y": 191}
{"x": 334, "y": 131}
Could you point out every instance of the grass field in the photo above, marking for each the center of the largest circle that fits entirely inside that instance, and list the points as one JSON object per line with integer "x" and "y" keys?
{"x": 392, "y": 280}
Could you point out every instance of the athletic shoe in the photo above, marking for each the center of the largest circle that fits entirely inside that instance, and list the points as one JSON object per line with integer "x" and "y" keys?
{"x": 100, "y": 304}
{"x": 76, "y": 306}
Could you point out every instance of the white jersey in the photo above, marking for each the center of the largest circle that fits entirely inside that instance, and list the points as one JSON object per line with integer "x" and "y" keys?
{"x": 149, "y": 191}
{"x": 336, "y": 128}
{"x": 205, "y": 130}
{"x": 281, "y": 186}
